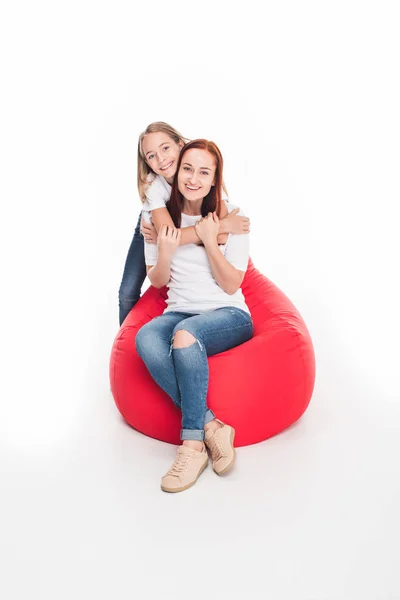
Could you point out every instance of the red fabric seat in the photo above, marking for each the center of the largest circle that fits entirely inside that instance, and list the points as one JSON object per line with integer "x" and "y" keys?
{"x": 260, "y": 387}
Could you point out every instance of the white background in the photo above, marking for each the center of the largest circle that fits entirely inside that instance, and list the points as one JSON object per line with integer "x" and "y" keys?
{"x": 303, "y": 99}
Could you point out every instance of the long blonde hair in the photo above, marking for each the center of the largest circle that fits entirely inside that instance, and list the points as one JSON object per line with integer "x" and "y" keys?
{"x": 143, "y": 169}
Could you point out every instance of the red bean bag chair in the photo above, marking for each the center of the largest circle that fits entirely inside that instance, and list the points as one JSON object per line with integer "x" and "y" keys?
{"x": 260, "y": 387}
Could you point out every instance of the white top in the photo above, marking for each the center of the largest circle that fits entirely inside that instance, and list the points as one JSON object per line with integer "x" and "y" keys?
{"x": 192, "y": 287}
{"x": 159, "y": 192}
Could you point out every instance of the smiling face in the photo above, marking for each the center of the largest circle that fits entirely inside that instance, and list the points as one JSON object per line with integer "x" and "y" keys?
{"x": 161, "y": 154}
{"x": 196, "y": 174}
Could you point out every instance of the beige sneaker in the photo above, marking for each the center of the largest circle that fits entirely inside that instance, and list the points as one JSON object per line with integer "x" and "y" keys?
{"x": 220, "y": 444}
{"x": 187, "y": 468}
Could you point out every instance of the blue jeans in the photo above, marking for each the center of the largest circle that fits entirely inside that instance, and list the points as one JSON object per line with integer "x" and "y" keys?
{"x": 134, "y": 275}
{"x": 183, "y": 372}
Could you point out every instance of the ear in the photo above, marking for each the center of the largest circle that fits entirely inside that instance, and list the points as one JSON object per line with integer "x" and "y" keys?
{"x": 181, "y": 144}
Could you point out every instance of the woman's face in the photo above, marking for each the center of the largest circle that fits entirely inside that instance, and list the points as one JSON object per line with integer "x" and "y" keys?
{"x": 161, "y": 153}
{"x": 196, "y": 174}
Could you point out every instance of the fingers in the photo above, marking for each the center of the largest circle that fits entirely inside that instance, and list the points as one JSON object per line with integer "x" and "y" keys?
{"x": 146, "y": 231}
{"x": 174, "y": 233}
{"x": 162, "y": 232}
{"x": 169, "y": 233}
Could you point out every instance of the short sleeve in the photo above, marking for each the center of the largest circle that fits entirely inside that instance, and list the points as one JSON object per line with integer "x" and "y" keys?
{"x": 157, "y": 195}
{"x": 150, "y": 250}
{"x": 238, "y": 249}
{"x": 150, "y": 254}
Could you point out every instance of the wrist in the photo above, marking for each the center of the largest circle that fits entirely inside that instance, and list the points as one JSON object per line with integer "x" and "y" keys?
{"x": 223, "y": 226}
{"x": 211, "y": 245}
{"x": 164, "y": 259}
{"x": 197, "y": 235}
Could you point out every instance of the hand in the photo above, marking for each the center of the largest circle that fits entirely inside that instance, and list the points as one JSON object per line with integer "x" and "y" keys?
{"x": 168, "y": 240}
{"x": 208, "y": 228}
{"x": 148, "y": 231}
{"x": 232, "y": 223}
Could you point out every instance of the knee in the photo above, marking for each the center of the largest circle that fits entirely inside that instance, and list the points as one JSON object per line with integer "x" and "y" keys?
{"x": 183, "y": 339}
{"x": 143, "y": 340}
{"x": 128, "y": 295}
{"x": 149, "y": 345}
{"x": 129, "y": 290}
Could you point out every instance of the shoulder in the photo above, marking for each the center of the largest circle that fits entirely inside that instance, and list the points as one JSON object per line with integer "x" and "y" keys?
{"x": 157, "y": 193}
{"x": 157, "y": 183}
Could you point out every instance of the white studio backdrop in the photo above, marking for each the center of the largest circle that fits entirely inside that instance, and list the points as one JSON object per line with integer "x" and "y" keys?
{"x": 302, "y": 99}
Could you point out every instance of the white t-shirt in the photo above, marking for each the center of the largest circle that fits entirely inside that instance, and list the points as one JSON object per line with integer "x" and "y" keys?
{"x": 192, "y": 287}
{"x": 159, "y": 192}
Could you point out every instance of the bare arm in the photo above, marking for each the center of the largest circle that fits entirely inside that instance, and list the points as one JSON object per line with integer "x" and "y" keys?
{"x": 234, "y": 223}
{"x": 225, "y": 274}
{"x": 167, "y": 242}
{"x": 161, "y": 216}
{"x": 160, "y": 273}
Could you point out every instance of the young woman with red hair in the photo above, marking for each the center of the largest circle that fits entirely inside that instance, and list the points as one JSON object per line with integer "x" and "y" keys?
{"x": 158, "y": 152}
{"x": 206, "y": 312}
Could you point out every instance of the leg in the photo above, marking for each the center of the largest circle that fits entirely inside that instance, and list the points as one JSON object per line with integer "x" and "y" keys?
{"x": 191, "y": 369}
{"x": 134, "y": 275}
{"x": 194, "y": 339}
{"x": 153, "y": 344}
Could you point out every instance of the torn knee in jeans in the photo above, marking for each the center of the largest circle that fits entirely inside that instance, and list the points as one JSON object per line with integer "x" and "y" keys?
{"x": 183, "y": 339}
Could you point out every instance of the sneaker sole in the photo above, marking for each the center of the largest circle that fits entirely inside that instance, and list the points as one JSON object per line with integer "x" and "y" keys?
{"x": 185, "y": 487}
{"x": 230, "y": 465}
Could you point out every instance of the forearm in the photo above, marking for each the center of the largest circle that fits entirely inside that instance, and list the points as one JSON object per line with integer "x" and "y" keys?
{"x": 223, "y": 233}
{"x": 189, "y": 236}
{"x": 161, "y": 216}
{"x": 224, "y": 273}
{"x": 160, "y": 274}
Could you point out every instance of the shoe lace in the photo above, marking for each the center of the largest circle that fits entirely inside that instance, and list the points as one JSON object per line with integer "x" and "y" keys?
{"x": 216, "y": 447}
{"x": 180, "y": 464}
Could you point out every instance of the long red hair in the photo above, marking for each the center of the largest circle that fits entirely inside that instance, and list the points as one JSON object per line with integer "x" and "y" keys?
{"x": 211, "y": 202}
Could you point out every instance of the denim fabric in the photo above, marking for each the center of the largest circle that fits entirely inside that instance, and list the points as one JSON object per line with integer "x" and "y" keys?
{"x": 183, "y": 372}
{"x": 134, "y": 275}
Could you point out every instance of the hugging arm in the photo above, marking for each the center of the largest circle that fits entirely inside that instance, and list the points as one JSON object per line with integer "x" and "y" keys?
{"x": 229, "y": 223}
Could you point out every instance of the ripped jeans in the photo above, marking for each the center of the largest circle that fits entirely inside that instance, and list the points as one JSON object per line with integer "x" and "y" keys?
{"x": 183, "y": 372}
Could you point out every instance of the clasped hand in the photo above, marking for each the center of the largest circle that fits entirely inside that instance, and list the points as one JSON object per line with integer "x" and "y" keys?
{"x": 208, "y": 228}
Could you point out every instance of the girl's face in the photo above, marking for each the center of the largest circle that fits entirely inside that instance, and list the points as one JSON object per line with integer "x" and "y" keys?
{"x": 196, "y": 174}
{"x": 161, "y": 153}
